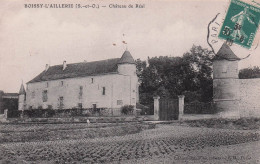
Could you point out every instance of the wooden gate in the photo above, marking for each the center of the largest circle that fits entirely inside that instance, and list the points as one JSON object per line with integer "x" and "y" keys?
{"x": 168, "y": 109}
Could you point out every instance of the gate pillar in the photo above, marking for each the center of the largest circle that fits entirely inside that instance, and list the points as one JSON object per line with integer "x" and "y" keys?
{"x": 181, "y": 105}
{"x": 6, "y": 113}
{"x": 156, "y": 107}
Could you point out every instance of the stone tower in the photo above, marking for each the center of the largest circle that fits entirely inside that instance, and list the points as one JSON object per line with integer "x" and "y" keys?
{"x": 21, "y": 98}
{"x": 226, "y": 83}
{"x": 127, "y": 66}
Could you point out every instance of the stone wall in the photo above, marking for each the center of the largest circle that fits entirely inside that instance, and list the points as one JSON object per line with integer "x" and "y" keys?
{"x": 224, "y": 69}
{"x": 249, "y": 97}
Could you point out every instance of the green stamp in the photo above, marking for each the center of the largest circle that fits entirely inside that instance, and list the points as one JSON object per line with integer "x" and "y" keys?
{"x": 241, "y": 24}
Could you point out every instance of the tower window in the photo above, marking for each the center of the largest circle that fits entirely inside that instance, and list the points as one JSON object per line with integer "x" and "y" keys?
{"x": 133, "y": 100}
{"x": 103, "y": 90}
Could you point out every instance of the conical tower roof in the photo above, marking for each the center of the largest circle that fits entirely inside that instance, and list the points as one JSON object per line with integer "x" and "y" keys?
{"x": 226, "y": 53}
{"x": 126, "y": 58}
{"x": 22, "y": 90}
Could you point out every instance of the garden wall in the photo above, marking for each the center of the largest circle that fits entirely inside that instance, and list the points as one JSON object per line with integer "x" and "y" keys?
{"x": 199, "y": 108}
{"x": 198, "y": 116}
{"x": 249, "y": 97}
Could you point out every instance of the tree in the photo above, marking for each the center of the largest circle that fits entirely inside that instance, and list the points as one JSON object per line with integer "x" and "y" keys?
{"x": 169, "y": 77}
{"x": 249, "y": 73}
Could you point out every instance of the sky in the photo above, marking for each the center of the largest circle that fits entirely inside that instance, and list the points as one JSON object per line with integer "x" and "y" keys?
{"x": 30, "y": 38}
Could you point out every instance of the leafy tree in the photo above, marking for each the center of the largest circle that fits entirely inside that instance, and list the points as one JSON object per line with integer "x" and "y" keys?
{"x": 249, "y": 73}
{"x": 169, "y": 77}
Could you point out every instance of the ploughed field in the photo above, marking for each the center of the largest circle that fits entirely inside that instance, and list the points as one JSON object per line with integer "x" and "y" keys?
{"x": 144, "y": 142}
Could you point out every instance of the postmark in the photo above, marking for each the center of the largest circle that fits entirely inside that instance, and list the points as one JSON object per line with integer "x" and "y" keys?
{"x": 241, "y": 24}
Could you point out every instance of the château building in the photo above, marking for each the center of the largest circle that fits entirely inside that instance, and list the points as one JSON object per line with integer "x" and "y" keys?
{"x": 108, "y": 83}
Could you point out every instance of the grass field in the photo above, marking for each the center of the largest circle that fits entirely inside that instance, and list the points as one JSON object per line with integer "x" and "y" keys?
{"x": 163, "y": 144}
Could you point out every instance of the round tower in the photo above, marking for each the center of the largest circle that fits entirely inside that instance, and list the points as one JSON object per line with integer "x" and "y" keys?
{"x": 126, "y": 64}
{"x": 21, "y": 98}
{"x": 225, "y": 83}
{"x": 127, "y": 67}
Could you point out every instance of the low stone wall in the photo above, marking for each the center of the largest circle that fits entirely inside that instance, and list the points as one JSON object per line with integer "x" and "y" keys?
{"x": 198, "y": 116}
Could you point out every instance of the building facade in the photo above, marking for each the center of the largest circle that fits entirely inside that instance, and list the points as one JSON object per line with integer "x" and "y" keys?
{"x": 108, "y": 83}
{"x": 8, "y": 101}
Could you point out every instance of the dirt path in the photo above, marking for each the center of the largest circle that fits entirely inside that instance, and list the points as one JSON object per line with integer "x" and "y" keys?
{"x": 165, "y": 144}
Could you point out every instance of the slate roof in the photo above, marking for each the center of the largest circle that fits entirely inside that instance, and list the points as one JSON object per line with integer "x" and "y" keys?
{"x": 10, "y": 95}
{"x": 226, "y": 53}
{"x": 22, "y": 90}
{"x": 78, "y": 70}
{"x": 126, "y": 58}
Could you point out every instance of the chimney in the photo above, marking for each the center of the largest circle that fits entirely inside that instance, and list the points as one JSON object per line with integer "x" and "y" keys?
{"x": 47, "y": 67}
{"x": 64, "y": 65}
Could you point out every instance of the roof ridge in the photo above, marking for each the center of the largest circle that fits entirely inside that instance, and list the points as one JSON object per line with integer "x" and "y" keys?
{"x": 86, "y": 62}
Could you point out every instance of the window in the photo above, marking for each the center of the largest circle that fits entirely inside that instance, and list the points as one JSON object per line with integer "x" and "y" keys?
{"x": 133, "y": 100}
{"x": 33, "y": 95}
{"x": 119, "y": 102}
{"x": 94, "y": 106}
{"x": 47, "y": 84}
{"x": 103, "y": 90}
{"x": 45, "y": 96}
{"x": 61, "y": 83}
{"x": 49, "y": 107}
{"x": 80, "y": 105}
{"x": 92, "y": 80}
{"x": 80, "y": 92}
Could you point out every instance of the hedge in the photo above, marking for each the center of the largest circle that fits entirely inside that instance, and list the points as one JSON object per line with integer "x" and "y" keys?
{"x": 45, "y": 113}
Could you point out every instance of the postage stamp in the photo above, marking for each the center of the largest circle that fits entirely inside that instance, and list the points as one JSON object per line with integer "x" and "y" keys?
{"x": 241, "y": 24}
